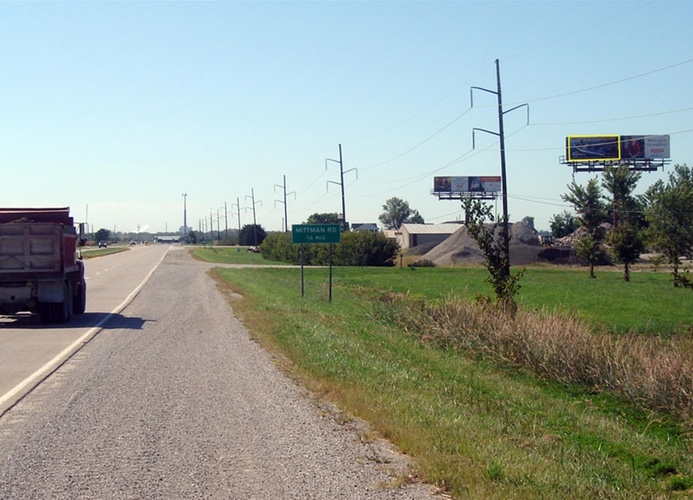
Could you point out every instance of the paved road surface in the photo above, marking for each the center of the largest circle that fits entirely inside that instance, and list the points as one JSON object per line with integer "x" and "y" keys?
{"x": 29, "y": 351}
{"x": 173, "y": 400}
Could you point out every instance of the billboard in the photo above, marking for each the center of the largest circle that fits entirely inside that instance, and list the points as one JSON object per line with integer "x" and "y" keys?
{"x": 582, "y": 148}
{"x": 644, "y": 147}
{"x": 477, "y": 184}
{"x": 593, "y": 147}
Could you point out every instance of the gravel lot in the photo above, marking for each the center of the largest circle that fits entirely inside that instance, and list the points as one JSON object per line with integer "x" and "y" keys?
{"x": 174, "y": 400}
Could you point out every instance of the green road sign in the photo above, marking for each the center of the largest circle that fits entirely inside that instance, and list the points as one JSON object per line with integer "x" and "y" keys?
{"x": 316, "y": 233}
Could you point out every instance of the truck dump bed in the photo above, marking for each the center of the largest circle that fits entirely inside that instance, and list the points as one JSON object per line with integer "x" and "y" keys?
{"x": 30, "y": 248}
{"x": 39, "y": 269}
{"x": 16, "y": 215}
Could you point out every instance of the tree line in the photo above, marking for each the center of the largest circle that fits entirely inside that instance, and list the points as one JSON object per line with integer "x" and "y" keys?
{"x": 622, "y": 225}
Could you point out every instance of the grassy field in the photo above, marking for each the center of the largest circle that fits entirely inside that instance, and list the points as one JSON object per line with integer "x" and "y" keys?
{"x": 647, "y": 304}
{"x": 477, "y": 427}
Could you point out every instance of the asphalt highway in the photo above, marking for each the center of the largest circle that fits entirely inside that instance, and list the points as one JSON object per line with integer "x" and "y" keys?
{"x": 162, "y": 393}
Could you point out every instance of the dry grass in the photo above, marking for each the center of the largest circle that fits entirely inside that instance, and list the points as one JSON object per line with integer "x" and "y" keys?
{"x": 651, "y": 372}
{"x": 473, "y": 427}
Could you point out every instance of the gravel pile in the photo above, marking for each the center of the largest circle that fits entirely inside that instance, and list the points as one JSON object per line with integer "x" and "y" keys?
{"x": 460, "y": 248}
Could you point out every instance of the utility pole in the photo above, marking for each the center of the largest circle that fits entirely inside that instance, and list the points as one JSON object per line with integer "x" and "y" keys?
{"x": 286, "y": 219}
{"x": 252, "y": 196}
{"x": 185, "y": 215}
{"x": 226, "y": 223}
{"x": 501, "y": 136}
{"x": 345, "y": 224}
{"x": 238, "y": 207}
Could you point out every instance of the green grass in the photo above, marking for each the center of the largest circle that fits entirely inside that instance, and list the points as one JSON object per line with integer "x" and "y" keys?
{"x": 231, "y": 255}
{"x": 478, "y": 429}
{"x": 92, "y": 252}
{"x": 649, "y": 303}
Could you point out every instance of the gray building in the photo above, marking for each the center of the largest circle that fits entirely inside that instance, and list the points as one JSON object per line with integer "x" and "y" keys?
{"x": 411, "y": 235}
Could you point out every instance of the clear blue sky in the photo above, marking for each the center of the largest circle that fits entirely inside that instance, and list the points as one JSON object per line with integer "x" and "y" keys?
{"x": 122, "y": 107}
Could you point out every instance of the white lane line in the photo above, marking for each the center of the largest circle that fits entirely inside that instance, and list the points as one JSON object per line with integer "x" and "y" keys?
{"x": 14, "y": 395}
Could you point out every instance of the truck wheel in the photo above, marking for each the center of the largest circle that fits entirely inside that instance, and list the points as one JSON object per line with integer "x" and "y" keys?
{"x": 80, "y": 303}
{"x": 45, "y": 312}
{"x": 58, "y": 313}
{"x": 68, "y": 304}
{"x": 62, "y": 311}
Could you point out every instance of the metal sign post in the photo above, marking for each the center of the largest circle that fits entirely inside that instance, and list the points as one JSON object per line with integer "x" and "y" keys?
{"x": 307, "y": 234}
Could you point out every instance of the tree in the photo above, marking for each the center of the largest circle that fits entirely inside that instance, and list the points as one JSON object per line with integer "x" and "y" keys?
{"x": 624, "y": 239}
{"x": 325, "y": 218}
{"x": 590, "y": 209}
{"x": 620, "y": 182}
{"x": 495, "y": 250}
{"x": 102, "y": 235}
{"x": 563, "y": 224}
{"x": 626, "y": 245}
{"x": 669, "y": 215}
{"x": 252, "y": 235}
{"x": 397, "y": 212}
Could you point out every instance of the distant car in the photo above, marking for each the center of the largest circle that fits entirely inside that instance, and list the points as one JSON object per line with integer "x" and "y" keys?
{"x": 103, "y": 244}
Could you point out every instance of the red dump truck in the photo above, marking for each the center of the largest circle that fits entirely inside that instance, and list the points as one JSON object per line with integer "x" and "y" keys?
{"x": 40, "y": 270}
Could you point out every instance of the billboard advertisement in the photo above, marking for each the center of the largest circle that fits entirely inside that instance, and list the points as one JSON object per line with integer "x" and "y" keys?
{"x": 593, "y": 147}
{"x": 581, "y": 148}
{"x": 477, "y": 184}
{"x": 644, "y": 147}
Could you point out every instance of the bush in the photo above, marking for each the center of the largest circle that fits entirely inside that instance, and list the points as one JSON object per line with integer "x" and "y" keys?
{"x": 422, "y": 263}
{"x": 355, "y": 249}
{"x": 278, "y": 247}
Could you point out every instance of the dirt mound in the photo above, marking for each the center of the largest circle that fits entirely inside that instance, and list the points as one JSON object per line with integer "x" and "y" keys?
{"x": 522, "y": 233}
{"x": 423, "y": 249}
{"x": 457, "y": 248}
{"x": 460, "y": 247}
{"x": 572, "y": 239}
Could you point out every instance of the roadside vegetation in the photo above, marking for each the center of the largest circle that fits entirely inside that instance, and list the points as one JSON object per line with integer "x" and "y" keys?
{"x": 586, "y": 392}
{"x": 355, "y": 249}
{"x": 90, "y": 252}
{"x": 231, "y": 255}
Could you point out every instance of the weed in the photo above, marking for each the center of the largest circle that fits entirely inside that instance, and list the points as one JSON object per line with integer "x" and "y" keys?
{"x": 654, "y": 372}
{"x": 474, "y": 418}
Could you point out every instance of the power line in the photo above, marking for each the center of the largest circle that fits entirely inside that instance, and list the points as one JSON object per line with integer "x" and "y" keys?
{"x": 420, "y": 143}
{"x": 614, "y": 82}
{"x": 632, "y": 117}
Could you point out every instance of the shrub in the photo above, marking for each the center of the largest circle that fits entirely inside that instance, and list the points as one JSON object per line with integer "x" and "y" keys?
{"x": 355, "y": 249}
{"x": 278, "y": 247}
{"x": 422, "y": 263}
{"x": 655, "y": 373}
